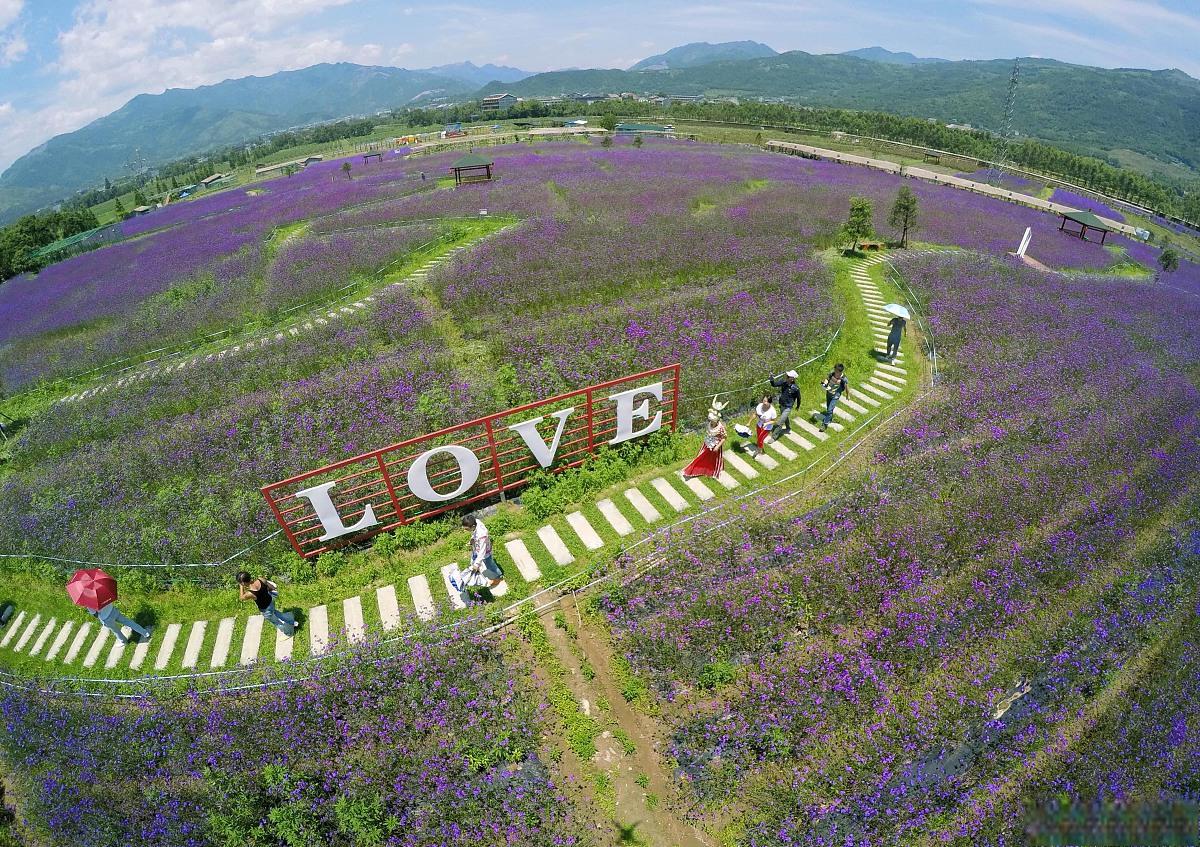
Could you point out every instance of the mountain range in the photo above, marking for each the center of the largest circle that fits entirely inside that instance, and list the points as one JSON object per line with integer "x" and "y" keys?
{"x": 1149, "y": 117}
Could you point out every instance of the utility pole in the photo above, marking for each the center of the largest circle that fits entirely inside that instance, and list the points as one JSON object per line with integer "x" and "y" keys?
{"x": 1006, "y": 137}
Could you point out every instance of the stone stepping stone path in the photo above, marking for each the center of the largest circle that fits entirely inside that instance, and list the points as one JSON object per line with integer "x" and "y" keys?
{"x": 71, "y": 639}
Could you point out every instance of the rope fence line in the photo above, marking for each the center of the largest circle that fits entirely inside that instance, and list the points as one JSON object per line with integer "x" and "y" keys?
{"x": 224, "y": 561}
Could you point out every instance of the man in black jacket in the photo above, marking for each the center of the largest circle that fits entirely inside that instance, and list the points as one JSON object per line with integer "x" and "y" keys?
{"x": 789, "y": 399}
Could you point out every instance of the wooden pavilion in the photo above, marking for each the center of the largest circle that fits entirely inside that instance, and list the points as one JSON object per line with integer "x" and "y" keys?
{"x": 1086, "y": 221}
{"x": 472, "y": 168}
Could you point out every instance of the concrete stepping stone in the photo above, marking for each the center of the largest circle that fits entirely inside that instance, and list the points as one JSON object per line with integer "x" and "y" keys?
{"x": 667, "y": 492}
{"x": 834, "y": 425}
{"x": 554, "y": 545}
{"x": 191, "y": 651}
{"x": 251, "y": 640}
{"x": 59, "y": 641}
{"x": 584, "y": 530}
{"x": 866, "y": 398}
{"x": 28, "y": 633}
{"x": 77, "y": 645}
{"x": 526, "y": 566}
{"x": 726, "y": 479}
{"x": 699, "y": 488}
{"x": 615, "y": 519}
{"x": 643, "y": 506}
{"x": 853, "y": 405}
{"x": 456, "y": 599}
{"x": 98, "y": 643}
{"x": 781, "y": 448}
{"x": 118, "y": 649}
{"x": 839, "y": 412}
{"x": 168, "y": 646}
{"x": 892, "y": 369}
{"x": 318, "y": 630}
{"x": 389, "y": 607}
{"x": 140, "y": 651}
{"x": 284, "y": 646}
{"x": 810, "y": 428}
{"x": 766, "y": 460}
{"x": 220, "y": 653}
{"x": 740, "y": 465}
{"x": 880, "y": 378}
{"x": 796, "y": 439}
{"x": 418, "y": 587}
{"x": 352, "y": 614}
{"x": 43, "y": 637}
{"x": 867, "y": 386}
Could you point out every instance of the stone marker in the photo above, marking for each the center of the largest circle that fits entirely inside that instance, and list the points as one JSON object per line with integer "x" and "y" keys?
{"x": 554, "y": 545}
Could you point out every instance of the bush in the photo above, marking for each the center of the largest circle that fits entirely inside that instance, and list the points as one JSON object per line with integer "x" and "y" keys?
{"x": 718, "y": 673}
{"x": 328, "y": 564}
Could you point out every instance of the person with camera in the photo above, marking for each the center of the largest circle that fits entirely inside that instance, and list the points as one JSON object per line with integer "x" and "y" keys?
{"x": 264, "y": 593}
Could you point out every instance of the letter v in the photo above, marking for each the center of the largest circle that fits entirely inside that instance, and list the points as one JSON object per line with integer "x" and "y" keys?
{"x": 533, "y": 439}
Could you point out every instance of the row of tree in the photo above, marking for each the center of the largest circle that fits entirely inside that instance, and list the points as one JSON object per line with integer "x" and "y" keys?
{"x": 21, "y": 239}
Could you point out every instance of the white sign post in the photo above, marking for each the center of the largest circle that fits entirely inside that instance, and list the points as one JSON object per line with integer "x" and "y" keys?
{"x": 1025, "y": 239}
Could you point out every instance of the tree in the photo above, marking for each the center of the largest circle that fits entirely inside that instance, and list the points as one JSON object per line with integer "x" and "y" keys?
{"x": 859, "y": 225}
{"x": 139, "y": 199}
{"x": 1168, "y": 262}
{"x": 904, "y": 213}
{"x": 637, "y": 141}
{"x": 606, "y": 141}
{"x": 609, "y": 122}
{"x": 118, "y": 209}
{"x": 346, "y": 169}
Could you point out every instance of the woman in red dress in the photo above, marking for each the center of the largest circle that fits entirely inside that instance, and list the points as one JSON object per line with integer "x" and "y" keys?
{"x": 711, "y": 459}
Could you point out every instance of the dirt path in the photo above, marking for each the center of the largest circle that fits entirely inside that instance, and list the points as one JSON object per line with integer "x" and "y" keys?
{"x": 649, "y": 807}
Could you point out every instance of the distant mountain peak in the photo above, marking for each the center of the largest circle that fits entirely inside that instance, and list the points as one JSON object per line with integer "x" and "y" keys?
{"x": 474, "y": 74}
{"x": 887, "y": 57}
{"x": 702, "y": 53}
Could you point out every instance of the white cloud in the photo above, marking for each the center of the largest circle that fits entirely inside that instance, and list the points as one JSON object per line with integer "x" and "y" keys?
{"x": 6, "y": 109}
{"x": 13, "y": 48}
{"x": 10, "y": 10}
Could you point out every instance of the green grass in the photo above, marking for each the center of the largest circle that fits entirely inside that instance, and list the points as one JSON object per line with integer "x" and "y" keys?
{"x": 366, "y": 570}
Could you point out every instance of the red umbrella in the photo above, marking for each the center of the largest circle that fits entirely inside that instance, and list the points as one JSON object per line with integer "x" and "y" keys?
{"x": 92, "y": 589}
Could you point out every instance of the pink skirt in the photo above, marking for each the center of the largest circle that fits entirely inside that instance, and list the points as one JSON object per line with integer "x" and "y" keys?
{"x": 708, "y": 463}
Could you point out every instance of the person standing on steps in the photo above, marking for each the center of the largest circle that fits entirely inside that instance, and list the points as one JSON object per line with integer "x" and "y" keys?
{"x": 789, "y": 399}
{"x": 763, "y": 416}
{"x": 835, "y": 386}
{"x": 710, "y": 461}
{"x": 894, "y": 335}
{"x": 111, "y": 617}
{"x": 264, "y": 592}
{"x": 483, "y": 573}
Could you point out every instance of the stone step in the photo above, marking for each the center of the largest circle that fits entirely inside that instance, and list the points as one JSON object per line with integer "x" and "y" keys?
{"x": 43, "y": 636}
{"x": 615, "y": 519}
{"x": 318, "y": 630}
{"x": 892, "y": 369}
{"x": 839, "y": 412}
{"x": 852, "y": 405}
{"x": 59, "y": 641}
{"x": 252, "y": 640}
{"x": 418, "y": 587}
{"x": 27, "y": 633}
{"x": 834, "y": 425}
{"x": 698, "y": 487}
{"x": 389, "y": 607}
{"x": 781, "y": 448}
{"x": 93, "y": 653}
{"x": 554, "y": 545}
{"x": 667, "y": 492}
{"x": 584, "y": 530}
{"x": 456, "y": 599}
{"x": 352, "y": 615}
{"x": 118, "y": 649}
{"x": 141, "y": 651}
{"x": 168, "y": 646}
{"x": 191, "y": 651}
{"x": 77, "y": 644}
{"x": 810, "y": 428}
{"x": 796, "y": 439}
{"x": 284, "y": 646}
{"x": 866, "y": 398}
{"x": 886, "y": 377}
{"x": 869, "y": 386}
{"x": 643, "y": 506}
{"x": 220, "y": 654}
{"x": 740, "y": 465}
{"x": 523, "y": 559}
{"x": 726, "y": 479}
{"x": 766, "y": 460}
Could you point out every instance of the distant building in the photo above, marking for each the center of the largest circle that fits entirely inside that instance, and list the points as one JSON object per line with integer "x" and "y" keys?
{"x": 141, "y": 210}
{"x": 498, "y": 102}
{"x": 644, "y": 129}
{"x": 667, "y": 99}
{"x": 208, "y": 181}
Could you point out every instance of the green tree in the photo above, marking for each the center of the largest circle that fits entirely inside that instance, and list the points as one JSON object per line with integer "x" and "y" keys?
{"x": 637, "y": 141}
{"x": 609, "y": 122}
{"x": 606, "y": 141}
{"x": 139, "y": 199}
{"x": 346, "y": 169}
{"x": 904, "y": 213}
{"x": 859, "y": 225}
{"x": 1168, "y": 262}
{"x": 119, "y": 209}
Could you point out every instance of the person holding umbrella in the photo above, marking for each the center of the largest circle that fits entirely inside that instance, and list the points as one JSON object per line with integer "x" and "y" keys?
{"x": 96, "y": 593}
{"x": 896, "y": 328}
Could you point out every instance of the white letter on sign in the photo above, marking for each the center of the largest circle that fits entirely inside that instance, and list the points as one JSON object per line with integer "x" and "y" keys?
{"x": 327, "y": 513}
{"x": 418, "y": 475}
{"x": 533, "y": 439}
{"x": 626, "y": 412}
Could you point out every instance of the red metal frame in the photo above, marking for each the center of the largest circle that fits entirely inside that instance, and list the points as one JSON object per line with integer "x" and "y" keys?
{"x": 505, "y": 463}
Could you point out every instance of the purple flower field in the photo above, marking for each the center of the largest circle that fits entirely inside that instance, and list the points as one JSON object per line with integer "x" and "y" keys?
{"x": 1078, "y": 201}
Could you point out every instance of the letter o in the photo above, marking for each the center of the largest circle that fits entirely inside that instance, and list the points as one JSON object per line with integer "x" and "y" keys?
{"x": 418, "y": 474}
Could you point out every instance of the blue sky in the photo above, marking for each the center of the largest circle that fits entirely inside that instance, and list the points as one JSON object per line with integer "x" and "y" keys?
{"x": 64, "y": 63}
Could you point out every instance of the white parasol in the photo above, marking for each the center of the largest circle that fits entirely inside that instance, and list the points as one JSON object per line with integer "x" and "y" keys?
{"x": 897, "y": 310}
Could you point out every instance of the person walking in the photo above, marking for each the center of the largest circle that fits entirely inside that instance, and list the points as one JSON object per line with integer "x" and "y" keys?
{"x": 483, "y": 573}
{"x": 896, "y": 332}
{"x": 763, "y": 417}
{"x": 263, "y": 592}
{"x": 835, "y": 386}
{"x": 789, "y": 399}
{"x": 710, "y": 461}
{"x": 111, "y": 617}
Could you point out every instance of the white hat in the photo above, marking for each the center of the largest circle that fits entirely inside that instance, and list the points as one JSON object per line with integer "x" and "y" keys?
{"x": 793, "y": 374}
{"x": 714, "y": 415}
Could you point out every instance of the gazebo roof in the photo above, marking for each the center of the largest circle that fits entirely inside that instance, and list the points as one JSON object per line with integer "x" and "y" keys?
{"x": 472, "y": 160}
{"x": 1087, "y": 219}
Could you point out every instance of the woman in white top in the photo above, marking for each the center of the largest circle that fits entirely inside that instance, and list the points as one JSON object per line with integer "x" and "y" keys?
{"x": 764, "y": 416}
